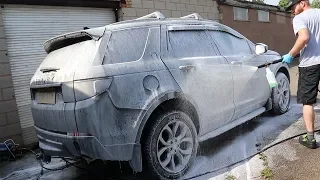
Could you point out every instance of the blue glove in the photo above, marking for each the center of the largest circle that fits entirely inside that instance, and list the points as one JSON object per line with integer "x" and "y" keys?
{"x": 287, "y": 58}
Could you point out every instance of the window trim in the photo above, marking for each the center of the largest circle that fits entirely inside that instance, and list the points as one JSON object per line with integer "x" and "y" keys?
{"x": 247, "y": 14}
{"x": 265, "y": 21}
{"x": 204, "y": 28}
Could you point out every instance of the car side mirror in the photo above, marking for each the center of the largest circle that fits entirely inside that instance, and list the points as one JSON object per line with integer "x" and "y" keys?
{"x": 261, "y": 48}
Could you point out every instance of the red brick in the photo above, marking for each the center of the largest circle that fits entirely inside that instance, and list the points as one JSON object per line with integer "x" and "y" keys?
{"x": 278, "y": 36}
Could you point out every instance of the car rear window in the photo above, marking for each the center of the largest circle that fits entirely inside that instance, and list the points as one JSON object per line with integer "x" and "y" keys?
{"x": 72, "y": 56}
{"x": 126, "y": 45}
{"x": 188, "y": 44}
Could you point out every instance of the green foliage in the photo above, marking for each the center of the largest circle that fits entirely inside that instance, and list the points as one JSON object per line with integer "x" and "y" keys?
{"x": 283, "y": 3}
{"x": 315, "y": 4}
{"x": 231, "y": 177}
{"x": 266, "y": 172}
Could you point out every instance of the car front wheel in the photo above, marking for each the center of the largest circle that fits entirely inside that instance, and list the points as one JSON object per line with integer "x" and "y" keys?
{"x": 281, "y": 94}
{"x": 171, "y": 145}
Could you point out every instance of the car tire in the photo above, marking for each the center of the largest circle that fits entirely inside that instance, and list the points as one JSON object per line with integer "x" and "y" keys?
{"x": 171, "y": 145}
{"x": 281, "y": 95}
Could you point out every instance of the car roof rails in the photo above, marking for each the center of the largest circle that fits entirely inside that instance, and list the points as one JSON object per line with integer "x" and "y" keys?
{"x": 156, "y": 15}
{"x": 192, "y": 16}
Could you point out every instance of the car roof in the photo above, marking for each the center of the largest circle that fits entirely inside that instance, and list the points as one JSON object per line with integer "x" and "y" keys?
{"x": 157, "y": 18}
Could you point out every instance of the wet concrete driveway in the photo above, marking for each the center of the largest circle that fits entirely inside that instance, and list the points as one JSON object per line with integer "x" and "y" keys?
{"x": 217, "y": 157}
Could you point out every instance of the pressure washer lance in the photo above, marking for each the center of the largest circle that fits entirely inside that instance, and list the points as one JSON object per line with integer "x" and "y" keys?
{"x": 269, "y": 63}
{"x": 270, "y": 75}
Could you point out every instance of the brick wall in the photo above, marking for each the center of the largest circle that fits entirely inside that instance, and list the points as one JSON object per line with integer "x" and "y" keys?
{"x": 9, "y": 119}
{"x": 277, "y": 34}
{"x": 207, "y": 9}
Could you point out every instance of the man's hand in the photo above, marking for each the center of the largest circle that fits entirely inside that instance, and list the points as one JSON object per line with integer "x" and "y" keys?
{"x": 287, "y": 58}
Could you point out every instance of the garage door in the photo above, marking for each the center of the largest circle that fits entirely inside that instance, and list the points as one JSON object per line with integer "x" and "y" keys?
{"x": 26, "y": 28}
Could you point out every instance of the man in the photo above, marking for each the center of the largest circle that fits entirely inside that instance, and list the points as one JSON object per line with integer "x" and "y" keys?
{"x": 306, "y": 25}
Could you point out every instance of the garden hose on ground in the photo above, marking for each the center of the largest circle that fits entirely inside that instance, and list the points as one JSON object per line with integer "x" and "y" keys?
{"x": 259, "y": 152}
{"x": 68, "y": 164}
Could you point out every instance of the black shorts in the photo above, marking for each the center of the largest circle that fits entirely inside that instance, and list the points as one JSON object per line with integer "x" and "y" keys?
{"x": 308, "y": 84}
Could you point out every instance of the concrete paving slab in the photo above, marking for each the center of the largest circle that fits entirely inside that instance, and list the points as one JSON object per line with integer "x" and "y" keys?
{"x": 292, "y": 161}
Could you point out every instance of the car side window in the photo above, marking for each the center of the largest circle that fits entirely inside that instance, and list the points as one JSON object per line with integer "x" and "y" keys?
{"x": 126, "y": 45}
{"x": 189, "y": 44}
{"x": 230, "y": 45}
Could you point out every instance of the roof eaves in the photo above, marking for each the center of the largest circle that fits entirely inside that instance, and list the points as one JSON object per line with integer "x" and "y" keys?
{"x": 251, "y": 5}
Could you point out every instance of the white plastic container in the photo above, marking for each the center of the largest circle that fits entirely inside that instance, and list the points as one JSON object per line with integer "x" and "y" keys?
{"x": 271, "y": 78}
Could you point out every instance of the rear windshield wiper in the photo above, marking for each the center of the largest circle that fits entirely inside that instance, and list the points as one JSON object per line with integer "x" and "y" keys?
{"x": 44, "y": 70}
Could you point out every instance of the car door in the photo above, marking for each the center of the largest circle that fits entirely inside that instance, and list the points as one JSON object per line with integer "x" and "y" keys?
{"x": 251, "y": 89}
{"x": 201, "y": 73}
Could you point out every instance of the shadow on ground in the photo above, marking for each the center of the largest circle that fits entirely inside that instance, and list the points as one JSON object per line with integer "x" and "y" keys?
{"x": 229, "y": 148}
{"x": 214, "y": 154}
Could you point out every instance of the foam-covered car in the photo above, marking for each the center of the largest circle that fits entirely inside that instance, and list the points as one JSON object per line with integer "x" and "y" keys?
{"x": 149, "y": 90}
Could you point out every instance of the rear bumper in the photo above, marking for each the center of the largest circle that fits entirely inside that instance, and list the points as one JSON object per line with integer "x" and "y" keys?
{"x": 55, "y": 144}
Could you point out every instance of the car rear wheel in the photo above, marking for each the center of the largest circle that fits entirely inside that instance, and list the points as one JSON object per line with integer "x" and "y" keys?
{"x": 171, "y": 145}
{"x": 281, "y": 94}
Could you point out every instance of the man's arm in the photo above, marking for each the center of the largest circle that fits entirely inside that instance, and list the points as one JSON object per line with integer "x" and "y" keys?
{"x": 300, "y": 29}
{"x": 302, "y": 40}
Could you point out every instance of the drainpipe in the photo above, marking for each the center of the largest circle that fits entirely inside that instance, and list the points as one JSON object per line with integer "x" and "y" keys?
{"x": 116, "y": 10}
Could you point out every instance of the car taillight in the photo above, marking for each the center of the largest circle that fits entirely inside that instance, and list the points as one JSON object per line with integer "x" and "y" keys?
{"x": 85, "y": 89}
{"x": 67, "y": 92}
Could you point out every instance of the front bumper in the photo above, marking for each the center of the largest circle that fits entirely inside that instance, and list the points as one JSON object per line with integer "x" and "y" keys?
{"x": 61, "y": 145}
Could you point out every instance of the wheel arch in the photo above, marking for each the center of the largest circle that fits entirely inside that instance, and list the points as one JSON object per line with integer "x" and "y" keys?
{"x": 285, "y": 71}
{"x": 273, "y": 103}
{"x": 174, "y": 100}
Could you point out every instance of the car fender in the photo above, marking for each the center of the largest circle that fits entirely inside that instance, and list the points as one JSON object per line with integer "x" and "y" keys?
{"x": 280, "y": 67}
{"x": 158, "y": 101}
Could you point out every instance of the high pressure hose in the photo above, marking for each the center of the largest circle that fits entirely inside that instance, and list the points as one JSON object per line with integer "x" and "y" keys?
{"x": 259, "y": 152}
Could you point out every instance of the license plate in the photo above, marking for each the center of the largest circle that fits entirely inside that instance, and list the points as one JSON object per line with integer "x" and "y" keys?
{"x": 47, "y": 96}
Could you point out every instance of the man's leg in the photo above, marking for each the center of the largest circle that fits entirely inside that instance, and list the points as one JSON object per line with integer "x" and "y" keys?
{"x": 309, "y": 116}
{"x": 307, "y": 95}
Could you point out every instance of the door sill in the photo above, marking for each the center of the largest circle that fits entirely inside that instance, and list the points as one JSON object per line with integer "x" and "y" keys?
{"x": 232, "y": 124}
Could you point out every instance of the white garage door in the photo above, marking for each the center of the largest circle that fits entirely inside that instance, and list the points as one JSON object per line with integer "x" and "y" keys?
{"x": 26, "y": 28}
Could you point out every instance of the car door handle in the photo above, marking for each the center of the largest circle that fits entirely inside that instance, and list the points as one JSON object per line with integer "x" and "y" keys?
{"x": 187, "y": 67}
{"x": 236, "y": 62}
